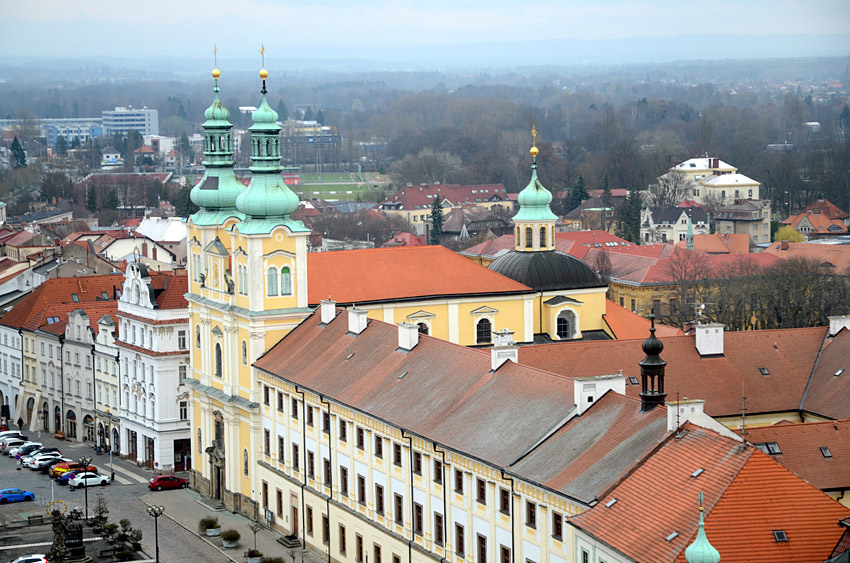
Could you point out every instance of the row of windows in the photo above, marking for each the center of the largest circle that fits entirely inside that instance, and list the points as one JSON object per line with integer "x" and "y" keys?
{"x": 529, "y": 236}
{"x": 278, "y": 282}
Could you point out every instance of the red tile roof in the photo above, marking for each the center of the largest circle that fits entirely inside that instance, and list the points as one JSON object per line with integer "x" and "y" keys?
{"x": 827, "y": 208}
{"x": 747, "y": 497}
{"x": 386, "y": 274}
{"x": 821, "y": 224}
{"x": 716, "y": 243}
{"x": 60, "y": 290}
{"x": 625, "y": 324}
{"x": 173, "y": 290}
{"x": 828, "y": 393}
{"x": 835, "y": 256}
{"x": 439, "y": 390}
{"x": 575, "y": 243}
{"x": 718, "y": 379}
{"x": 801, "y": 445}
{"x": 93, "y": 309}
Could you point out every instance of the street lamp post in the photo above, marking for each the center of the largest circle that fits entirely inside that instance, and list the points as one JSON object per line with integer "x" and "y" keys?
{"x": 85, "y": 461}
{"x": 156, "y": 512}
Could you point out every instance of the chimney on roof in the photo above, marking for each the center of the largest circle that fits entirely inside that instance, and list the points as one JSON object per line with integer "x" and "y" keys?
{"x": 504, "y": 349}
{"x": 838, "y": 322}
{"x": 680, "y": 412}
{"x": 587, "y": 390}
{"x": 408, "y": 336}
{"x": 357, "y": 321}
{"x": 709, "y": 339}
{"x": 783, "y": 245}
{"x": 328, "y": 309}
{"x": 652, "y": 372}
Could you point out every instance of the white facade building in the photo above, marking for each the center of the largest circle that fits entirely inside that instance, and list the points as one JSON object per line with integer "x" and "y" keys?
{"x": 154, "y": 341}
{"x": 121, "y": 120}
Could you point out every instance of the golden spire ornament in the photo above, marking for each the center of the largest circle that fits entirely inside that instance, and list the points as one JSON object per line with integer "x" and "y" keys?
{"x": 534, "y": 150}
{"x": 263, "y": 72}
{"x": 215, "y": 73}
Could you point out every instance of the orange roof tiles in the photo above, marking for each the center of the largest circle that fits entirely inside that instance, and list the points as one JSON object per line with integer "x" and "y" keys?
{"x": 820, "y": 224}
{"x": 800, "y": 446}
{"x": 829, "y": 389}
{"x": 716, "y": 379}
{"x": 625, "y": 324}
{"x": 61, "y": 290}
{"x": 410, "y": 272}
{"x": 747, "y": 497}
{"x": 575, "y": 243}
{"x": 716, "y": 243}
{"x": 835, "y": 256}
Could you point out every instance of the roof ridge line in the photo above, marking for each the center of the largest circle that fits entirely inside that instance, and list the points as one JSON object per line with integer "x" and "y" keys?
{"x": 814, "y": 368}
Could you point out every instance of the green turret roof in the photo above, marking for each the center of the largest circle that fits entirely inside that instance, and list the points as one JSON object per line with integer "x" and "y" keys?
{"x": 268, "y": 201}
{"x": 701, "y": 551}
{"x": 217, "y": 191}
{"x": 534, "y": 201}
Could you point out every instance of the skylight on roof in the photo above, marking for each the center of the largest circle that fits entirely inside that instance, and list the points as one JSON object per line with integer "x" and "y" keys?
{"x": 610, "y": 503}
{"x": 402, "y": 375}
{"x": 764, "y": 371}
{"x": 825, "y": 451}
{"x": 771, "y": 448}
{"x": 672, "y": 536}
{"x": 839, "y": 372}
{"x": 780, "y": 535}
{"x": 633, "y": 380}
{"x": 698, "y": 472}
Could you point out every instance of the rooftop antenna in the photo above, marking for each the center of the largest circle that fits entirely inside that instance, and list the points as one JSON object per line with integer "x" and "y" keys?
{"x": 677, "y": 410}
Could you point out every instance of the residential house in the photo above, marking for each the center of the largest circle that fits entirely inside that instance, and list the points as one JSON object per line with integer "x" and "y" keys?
{"x": 834, "y": 257}
{"x": 748, "y": 216}
{"x": 672, "y": 224}
{"x": 821, "y": 219}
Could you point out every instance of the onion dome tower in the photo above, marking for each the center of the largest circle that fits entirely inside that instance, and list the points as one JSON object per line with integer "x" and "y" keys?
{"x": 217, "y": 191}
{"x": 701, "y": 551}
{"x": 652, "y": 372}
{"x": 534, "y": 261}
{"x": 535, "y": 222}
{"x": 268, "y": 201}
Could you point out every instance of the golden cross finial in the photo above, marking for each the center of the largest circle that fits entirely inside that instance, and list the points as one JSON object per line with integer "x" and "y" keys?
{"x": 215, "y": 54}
{"x": 534, "y": 135}
{"x": 263, "y": 54}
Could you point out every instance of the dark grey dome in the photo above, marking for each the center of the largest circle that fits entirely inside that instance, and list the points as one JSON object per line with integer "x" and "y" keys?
{"x": 546, "y": 270}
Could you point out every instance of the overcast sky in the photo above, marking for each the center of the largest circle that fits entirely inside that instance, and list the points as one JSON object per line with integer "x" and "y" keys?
{"x": 188, "y": 28}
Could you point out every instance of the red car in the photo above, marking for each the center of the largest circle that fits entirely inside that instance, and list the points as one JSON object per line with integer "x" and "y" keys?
{"x": 161, "y": 482}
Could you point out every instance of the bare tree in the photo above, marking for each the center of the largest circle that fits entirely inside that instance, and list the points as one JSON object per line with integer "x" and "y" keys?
{"x": 689, "y": 273}
{"x": 671, "y": 189}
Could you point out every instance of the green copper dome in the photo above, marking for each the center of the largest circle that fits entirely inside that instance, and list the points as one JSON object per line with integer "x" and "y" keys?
{"x": 701, "y": 551}
{"x": 217, "y": 115}
{"x": 217, "y": 191}
{"x": 268, "y": 201}
{"x": 534, "y": 201}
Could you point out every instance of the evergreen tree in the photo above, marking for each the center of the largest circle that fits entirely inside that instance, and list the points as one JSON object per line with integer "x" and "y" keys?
{"x": 607, "y": 203}
{"x": 91, "y": 199}
{"x": 578, "y": 193}
{"x": 282, "y": 111}
{"x": 111, "y": 201}
{"x": 183, "y": 205}
{"x": 628, "y": 223}
{"x": 320, "y": 117}
{"x": 18, "y": 154}
{"x": 308, "y": 114}
{"x": 75, "y": 143}
{"x": 61, "y": 145}
{"x": 436, "y": 222}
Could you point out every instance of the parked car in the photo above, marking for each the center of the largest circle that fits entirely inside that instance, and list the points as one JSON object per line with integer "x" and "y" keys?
{"x": 61, "y": 468}
{"x": 25, "y": 449}
{"x": 33, "y": 461}
{"x": 15, "y": 495}
{"x": 161, "y": 482}
{"x": 11, "y": 444}
{"x": 48, "y": 463}
{"x": 34, "y": 558}
{"x": 10, "y": 434}
{"x": 88, "y": 479}
{"x": 65, "y": 477}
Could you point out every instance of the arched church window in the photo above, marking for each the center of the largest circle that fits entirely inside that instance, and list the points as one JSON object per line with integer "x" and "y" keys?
{"x": 423, "y": 328}
{"x": 517, "y": 234}
{"x": 271, "y": 282}
{"x": 198, "y": 337}
{"x": 221, "y": 143}
{"x": 268, "y": 147}
{"x": 244, "y": 353}
{"x": 529, "y": 236}
{"x": 218, "y": 360}
{"x": 200, "y": 443}
{"x": 483, "y": 331}
{"x": 285, "y": 281}
{"x": 245, "y": 462}
{"x": 542, "y": 237}
{"x": 564, "y": 324}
